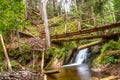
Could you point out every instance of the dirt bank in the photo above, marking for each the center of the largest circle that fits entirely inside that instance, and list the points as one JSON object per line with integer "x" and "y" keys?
{"x": 111, "y": 71}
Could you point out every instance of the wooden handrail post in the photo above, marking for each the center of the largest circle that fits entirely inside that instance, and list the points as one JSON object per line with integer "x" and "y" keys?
{"x": 95, "y": 21}
{"x": 79, "y": 25}
{"x": 42, "y": 64}
{"x": 114, "y": 19}
{"x": 65, "y": 28}
{"x": 55, "y": 32}
{"x": 45, "y": 77}
{"x": 6, "y": 54}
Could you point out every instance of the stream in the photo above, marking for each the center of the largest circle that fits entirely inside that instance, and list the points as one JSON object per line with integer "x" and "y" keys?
{"x": 79, "y": 70}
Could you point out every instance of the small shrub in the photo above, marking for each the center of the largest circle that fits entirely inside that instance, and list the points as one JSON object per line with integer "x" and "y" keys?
{"x": 103, "y": 58}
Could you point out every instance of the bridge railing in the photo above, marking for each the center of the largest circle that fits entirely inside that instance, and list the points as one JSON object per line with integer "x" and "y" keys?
{"x": 79, "y": 24}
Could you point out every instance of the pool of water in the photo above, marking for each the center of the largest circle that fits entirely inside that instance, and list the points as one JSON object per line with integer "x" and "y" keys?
{"x": 79, "y": 72}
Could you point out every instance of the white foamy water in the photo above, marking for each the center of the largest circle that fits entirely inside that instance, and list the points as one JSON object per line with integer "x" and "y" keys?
{"x": 80, "y": 58}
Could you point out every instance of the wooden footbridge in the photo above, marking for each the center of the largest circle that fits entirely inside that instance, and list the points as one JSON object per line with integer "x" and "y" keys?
{"x": 106, "y": 30}
{"x": 101, "y": 27}
{"x": 87, "y": 27}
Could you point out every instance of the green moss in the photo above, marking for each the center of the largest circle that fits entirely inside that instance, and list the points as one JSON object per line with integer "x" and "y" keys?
{"x": 32, "y": 30}
{"x": 56, "y": 52}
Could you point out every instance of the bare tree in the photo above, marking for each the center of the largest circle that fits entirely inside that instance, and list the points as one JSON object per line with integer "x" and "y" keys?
{"x": 44, "y": 17}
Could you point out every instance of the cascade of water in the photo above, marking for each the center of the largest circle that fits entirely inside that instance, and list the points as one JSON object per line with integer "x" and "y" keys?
{"x": 79, "y": 66}
{"x": 83, "y": 69}
{"x": 80, "y": 58}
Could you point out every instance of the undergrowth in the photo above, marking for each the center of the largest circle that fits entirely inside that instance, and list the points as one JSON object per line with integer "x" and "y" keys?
{"x": 104, "y": 58}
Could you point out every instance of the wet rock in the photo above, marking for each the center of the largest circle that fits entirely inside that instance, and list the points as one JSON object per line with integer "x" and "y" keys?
{"x": 95, "y": 49}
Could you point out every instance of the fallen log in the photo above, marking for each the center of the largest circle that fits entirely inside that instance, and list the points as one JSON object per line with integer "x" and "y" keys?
{"x": 90, "y": 44}
{"x": 26, "y": 35}
{"x": 106, "y": 78}
{"x": 110, "y": 78}
{"x": 51, "y": 72}
{"x": 104, "y": 36}
{"x": 114, "y": 52}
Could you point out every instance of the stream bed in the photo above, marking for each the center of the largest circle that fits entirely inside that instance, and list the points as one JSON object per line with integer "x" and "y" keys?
{"x": 21, "y": 75}
{"x": 79, "y": 72}
{"x": 82, "y": 72}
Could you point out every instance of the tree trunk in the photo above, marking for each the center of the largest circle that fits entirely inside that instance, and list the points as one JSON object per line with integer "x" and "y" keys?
{"x": 5, "y": 53}
{"x": 41, "y": 10}
{"x": 44, "y": 14}
{"x": 82, "y": 3}
{"x": 75, "y": 5}
{"x": 33, "y": 4}
{"x": 54, "y": 7}
{"x": 26, "y": 9}
{"x": 19, "y": 45}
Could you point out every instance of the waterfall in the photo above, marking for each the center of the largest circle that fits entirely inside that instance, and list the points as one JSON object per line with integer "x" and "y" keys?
{"x": 81, "y": 64}
{"x": 80, "y": 58}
